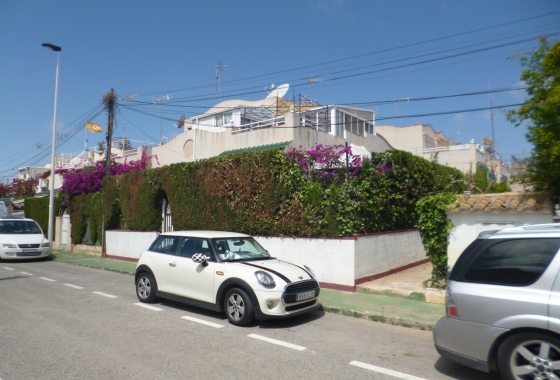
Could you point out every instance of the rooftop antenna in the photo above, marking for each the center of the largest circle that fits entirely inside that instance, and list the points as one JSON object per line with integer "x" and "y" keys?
{"x": 160, "y": 100}
{"x": 219, "y": 68}
{"x": 127, "y": 97}
{"x": 311, "y": 82}
{"x": 268, "y": 89}
{"x": 401, "y": 100}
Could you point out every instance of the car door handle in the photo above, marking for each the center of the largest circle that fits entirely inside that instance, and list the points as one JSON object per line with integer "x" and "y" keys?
{"x": 172, "y": 265}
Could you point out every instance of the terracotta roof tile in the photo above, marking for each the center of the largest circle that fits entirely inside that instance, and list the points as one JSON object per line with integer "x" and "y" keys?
{"x": 501, "y": 202}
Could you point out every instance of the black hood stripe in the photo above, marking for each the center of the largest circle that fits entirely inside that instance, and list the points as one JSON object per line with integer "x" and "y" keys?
{"x": 286, "y": 279}
{"x": 303, "y": 269}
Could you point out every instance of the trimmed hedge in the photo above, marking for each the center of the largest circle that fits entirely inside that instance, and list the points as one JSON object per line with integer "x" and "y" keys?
{"x": 265, "y": 193}
{"x": 38, "y": 210}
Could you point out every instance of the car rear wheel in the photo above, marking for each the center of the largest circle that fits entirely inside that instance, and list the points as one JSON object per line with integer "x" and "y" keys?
{"x": 238, "y": 307}
{"x": 530, "y": 356}
{"x": 145, "y": 288}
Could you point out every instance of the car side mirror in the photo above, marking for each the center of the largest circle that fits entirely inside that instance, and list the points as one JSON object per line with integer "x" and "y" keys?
{"x": 200, "y": 258}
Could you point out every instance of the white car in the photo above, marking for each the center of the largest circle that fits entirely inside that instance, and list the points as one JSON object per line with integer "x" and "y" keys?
{"x": 225, "y": 272}
{"x": 22, "y": 238}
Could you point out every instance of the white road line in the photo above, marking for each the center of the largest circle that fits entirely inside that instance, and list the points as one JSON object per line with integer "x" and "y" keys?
{"x": 73, "y": 286}
{"x": 46, "y": 279}
{"x": 211, "y": 324}
{"x": 105, "y": 294}
{"x": 8, "y": 268}
{"x": 29, "y": 274}
{"x": 386, "y": 371}
{"x": 278, "y": 342}
{"x": 148, "y": 306}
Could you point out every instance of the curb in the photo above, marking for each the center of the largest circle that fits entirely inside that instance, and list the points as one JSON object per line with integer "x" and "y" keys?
{"x": 94, "y": 267}
{"x": 379, "y": 318}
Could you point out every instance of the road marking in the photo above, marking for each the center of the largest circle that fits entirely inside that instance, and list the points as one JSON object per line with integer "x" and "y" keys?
{"x": 386, "y": 371}
{"x": 8, "y": 268}
{"x": 201, "y": 321}
{"x": 278, "y": 342}
{"x": 148, "y": 306}
{"x": 105, "y": 294}
{"x": 29, "y": 274}
{"x": 73, "y": 286}
{"x": 46, "y": 279}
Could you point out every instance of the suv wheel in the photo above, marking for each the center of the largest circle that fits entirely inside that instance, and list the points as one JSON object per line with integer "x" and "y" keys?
{"x": 529, "y": 356}
{"x": 238, "y": 307}
{"x": 145, "y": 288}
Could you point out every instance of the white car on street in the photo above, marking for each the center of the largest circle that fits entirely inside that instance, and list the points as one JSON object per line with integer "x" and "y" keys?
{"x": 22, "y": 238}
{"x": 225, "y": 272}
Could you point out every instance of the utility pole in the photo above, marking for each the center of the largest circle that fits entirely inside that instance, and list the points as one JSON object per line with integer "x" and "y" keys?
{"x": 110, "y": 105}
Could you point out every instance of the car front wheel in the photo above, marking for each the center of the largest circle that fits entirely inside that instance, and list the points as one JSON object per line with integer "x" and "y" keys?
{"x": 529, "y": 356}
{"x": 238, "y": 307}
{"x": 145, "y": 287}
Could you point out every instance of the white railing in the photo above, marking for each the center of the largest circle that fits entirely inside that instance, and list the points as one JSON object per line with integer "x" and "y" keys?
{"x": 268, "y": 123}
{"x": 451, "y": 148}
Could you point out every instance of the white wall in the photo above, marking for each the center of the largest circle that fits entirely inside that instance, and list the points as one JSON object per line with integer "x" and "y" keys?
{"x": 129, "y": 244}
{"x": 469, "y": 224}
{"x": 383, "y": 252}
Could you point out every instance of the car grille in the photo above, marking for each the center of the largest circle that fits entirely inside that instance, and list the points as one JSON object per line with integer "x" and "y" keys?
{"x": 300, "y": 306}
{"x": 28, "y": 254}
{"x": 292, "y": 290}
{"x": 28, "y": 245}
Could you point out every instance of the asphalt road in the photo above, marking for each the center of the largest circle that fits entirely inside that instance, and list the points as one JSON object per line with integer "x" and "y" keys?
{"x": 61, "y": 321}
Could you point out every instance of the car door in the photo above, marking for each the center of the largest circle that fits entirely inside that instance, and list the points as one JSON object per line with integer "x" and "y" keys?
{"x": 163, "y": 252}
{"x": 187, "y": 278}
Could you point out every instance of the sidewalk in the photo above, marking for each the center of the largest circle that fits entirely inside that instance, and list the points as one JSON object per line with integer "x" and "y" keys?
{"x": 387, "y": 307}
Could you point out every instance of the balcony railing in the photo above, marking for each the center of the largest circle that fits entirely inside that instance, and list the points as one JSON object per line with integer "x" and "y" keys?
{"x": 268, "y": 123}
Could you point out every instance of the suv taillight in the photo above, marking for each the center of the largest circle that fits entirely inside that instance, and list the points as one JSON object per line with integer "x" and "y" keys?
{"x": 450, "y": 307}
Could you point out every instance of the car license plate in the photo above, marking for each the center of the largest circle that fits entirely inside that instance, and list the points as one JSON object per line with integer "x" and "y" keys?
{"x": 304, "y": 296}
{"x": 29, "y": 250}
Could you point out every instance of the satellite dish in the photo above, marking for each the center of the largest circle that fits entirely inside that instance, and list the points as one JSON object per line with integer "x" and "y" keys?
{"x": 181, "y": 122}
{"x": 280, "y": 91}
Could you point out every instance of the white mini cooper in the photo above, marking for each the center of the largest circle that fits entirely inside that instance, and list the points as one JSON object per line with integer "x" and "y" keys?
{"x": 225, "y": 272}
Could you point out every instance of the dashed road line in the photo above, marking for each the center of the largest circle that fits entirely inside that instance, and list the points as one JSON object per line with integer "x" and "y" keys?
{"x": 203, "y": 322}
{"x": 148, "y": 306}
{"x": 73, "y": 286}
{"x": 278, "y": 342}
{"x": 385, "y": 371}
{"x": 8, "y": 268}
{"x": 29, "y": 274}
{"x": 105, "y": 294}
{"x": 47, "y": 279}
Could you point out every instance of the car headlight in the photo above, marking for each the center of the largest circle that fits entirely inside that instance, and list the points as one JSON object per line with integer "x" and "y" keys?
{"x": 310, "y": 271}
{"x": 265, "y": 279}
{"x": 8, "y": 245}
{"x": 47, "y": 244}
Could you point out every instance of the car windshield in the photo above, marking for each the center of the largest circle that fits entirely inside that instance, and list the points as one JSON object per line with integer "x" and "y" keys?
{"x": 19, "y": 227}
{"x": 239, "y": 249}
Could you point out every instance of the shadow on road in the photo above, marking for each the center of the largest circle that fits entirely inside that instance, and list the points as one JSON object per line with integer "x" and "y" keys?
{"x": 13, "y": 278}
{"x": 461, "y": 372}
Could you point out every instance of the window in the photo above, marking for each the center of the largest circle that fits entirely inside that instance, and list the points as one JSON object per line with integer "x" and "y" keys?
{"x": 165, "y": 244}
{"x": 229, "y": 249}
{"x": 223, "y": 119}
{"x": 518, "y": 262}
{"x": 189, "y": 246}
{"x": 19, "y": 227}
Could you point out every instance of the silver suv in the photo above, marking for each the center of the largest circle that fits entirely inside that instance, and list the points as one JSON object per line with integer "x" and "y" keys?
{"x": 503, "y": 304}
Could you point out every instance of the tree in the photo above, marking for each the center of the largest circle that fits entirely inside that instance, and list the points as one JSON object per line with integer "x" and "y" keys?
{"x": 110, "y": 105}
{"x": 542, "y": 113}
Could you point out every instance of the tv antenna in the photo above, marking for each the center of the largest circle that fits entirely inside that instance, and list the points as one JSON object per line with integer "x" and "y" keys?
{"x": 279, "y": 91}
{"x": 219, "y": 68}
{"x": 181, "y": 122}
{"x": 124, "y": 122}
{"x": 160, "y": 100}
{"x": 311, "y": 82}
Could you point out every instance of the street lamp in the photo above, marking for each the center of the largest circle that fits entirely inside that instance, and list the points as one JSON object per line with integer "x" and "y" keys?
{"x": 53, "y": 154}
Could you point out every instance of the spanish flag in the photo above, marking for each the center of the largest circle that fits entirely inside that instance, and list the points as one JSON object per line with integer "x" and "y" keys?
{"x": 91, "y": 127}
{"x": 486, "y": 142}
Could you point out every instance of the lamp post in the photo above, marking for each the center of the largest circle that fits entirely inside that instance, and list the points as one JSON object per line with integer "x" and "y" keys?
{"x": 53, "y": 154}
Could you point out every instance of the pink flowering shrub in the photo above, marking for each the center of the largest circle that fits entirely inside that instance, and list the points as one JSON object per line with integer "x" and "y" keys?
{"x": 326, "y": 163}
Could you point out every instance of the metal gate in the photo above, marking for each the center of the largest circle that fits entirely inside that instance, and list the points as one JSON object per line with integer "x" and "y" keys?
{"x": 167, "y": 224}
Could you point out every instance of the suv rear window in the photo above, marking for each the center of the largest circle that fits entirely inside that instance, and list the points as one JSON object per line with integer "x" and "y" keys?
{"x": 516, "y": 262}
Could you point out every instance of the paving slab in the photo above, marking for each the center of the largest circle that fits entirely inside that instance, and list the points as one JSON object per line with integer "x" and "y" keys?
{"x": 406, "y": 282}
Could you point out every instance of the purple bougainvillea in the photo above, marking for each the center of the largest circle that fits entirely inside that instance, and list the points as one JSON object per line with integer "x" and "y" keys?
{"x": 326, "y": 162}
{"x": 89, "y": 179}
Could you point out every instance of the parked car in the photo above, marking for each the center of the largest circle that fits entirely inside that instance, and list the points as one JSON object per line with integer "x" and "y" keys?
{"x": 22, "y": 238}
{"x": 503, "y": 304}
{"x": 225, "y": 272}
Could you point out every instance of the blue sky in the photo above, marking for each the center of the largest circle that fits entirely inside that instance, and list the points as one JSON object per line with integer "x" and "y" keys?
{"x": 161, "y": 48}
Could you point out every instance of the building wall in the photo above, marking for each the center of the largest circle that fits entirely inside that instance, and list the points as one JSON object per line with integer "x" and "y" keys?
{"x": 409, "y": 139}
{"x": 463, "y": 157}
{"x": 469, "y": 224}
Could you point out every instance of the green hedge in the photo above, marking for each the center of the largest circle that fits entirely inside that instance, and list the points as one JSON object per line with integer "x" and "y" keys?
{"x": 264, "y": 193}
{"x": 38, "y": 210}
{"x": 84, "y": 209}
